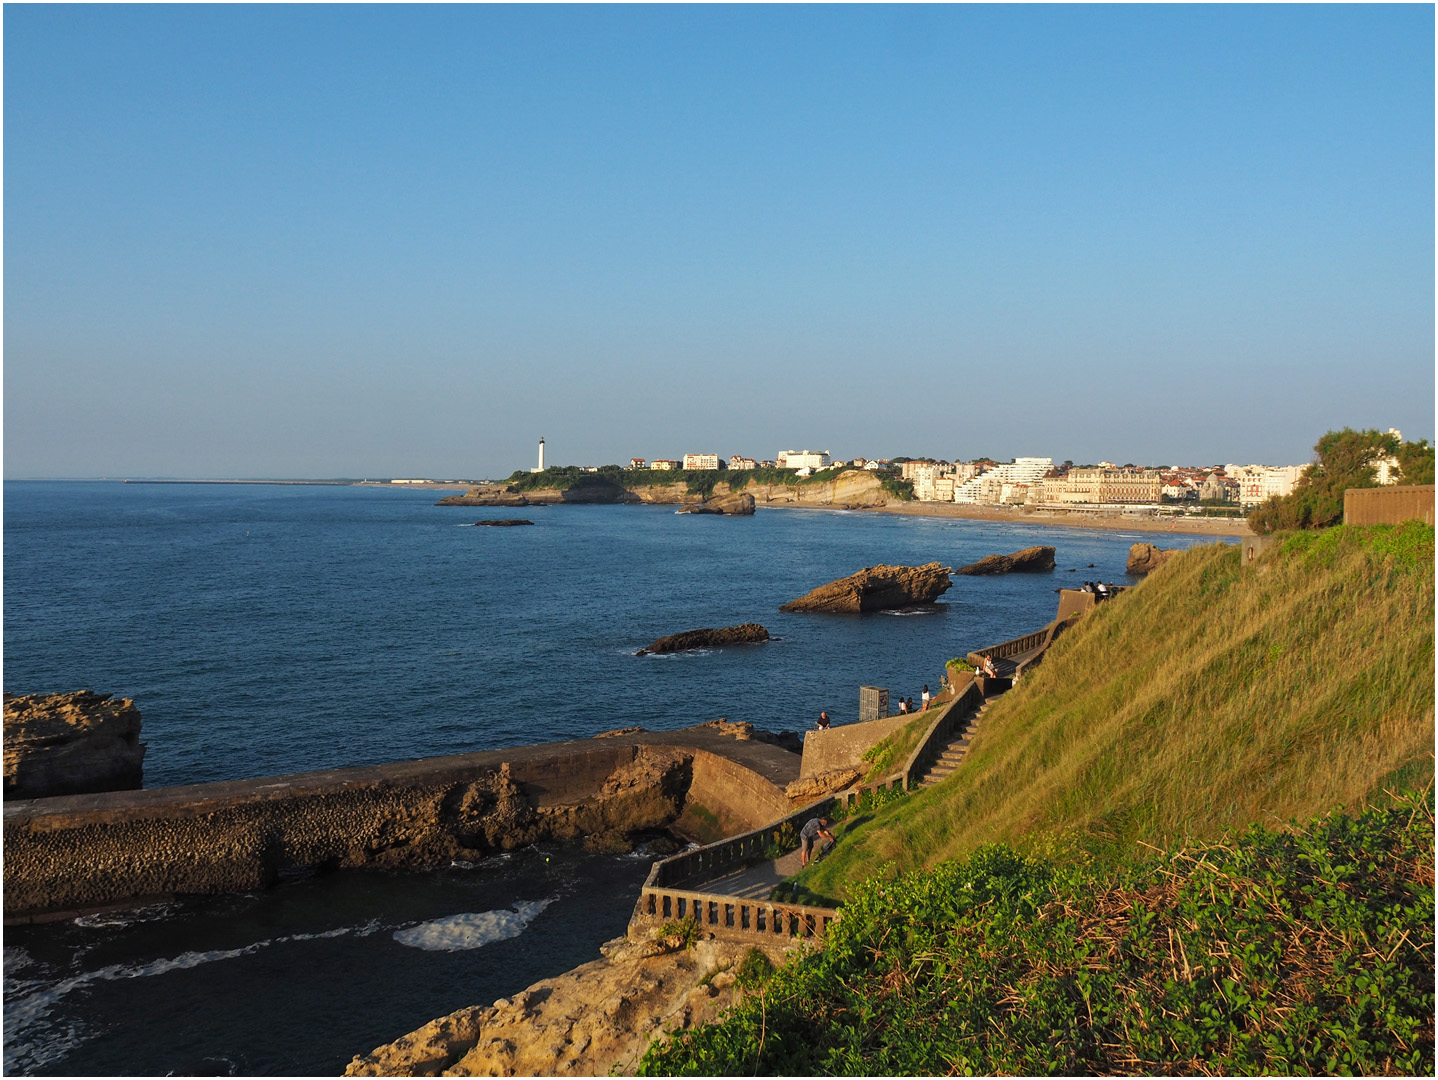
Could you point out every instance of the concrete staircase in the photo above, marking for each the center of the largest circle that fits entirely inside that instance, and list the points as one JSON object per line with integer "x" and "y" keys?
{"x": 953, "y": 754}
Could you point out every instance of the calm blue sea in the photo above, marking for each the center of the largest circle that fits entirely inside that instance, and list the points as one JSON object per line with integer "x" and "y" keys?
{"x": 272, "y": 629}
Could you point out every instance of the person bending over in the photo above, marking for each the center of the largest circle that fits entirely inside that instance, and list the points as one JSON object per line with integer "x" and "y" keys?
{"x": 809, "y": 835}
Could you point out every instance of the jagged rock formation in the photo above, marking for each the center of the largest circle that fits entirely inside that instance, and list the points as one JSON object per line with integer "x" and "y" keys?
{"x": 591, "y": 1021}
{"x": 736, "y": 505}
{"x": 1145, "y": 558}
{"x": 808, "y": 788}
{"x": 486, "y": 495}
{"x": 71, "y": 744}
{"x": 502, "y": 522}
{"x": 1029, "y": 560}
{"x": 877, "y": 588}
{"x": 746, "y": 634}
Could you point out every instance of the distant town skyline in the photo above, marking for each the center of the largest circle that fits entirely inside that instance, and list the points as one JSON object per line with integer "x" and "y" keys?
{"x": 292, "y": 241}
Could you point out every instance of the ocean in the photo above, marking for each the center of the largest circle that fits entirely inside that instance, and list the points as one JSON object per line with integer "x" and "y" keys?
{"x": 269, "y": 629}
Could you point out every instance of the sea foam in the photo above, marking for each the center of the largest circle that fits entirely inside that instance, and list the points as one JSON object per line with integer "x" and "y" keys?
{"x": 472, "y": 930}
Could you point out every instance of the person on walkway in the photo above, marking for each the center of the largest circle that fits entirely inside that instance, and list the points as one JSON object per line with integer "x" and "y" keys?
{"x": 924, "y": 697}
{"x": 813, "y": 829}
{"x": 909, "y": 705}
{"x": 823, "y": 720}
{"x": 903, "y": 706}
{"x": 989, "y": 669}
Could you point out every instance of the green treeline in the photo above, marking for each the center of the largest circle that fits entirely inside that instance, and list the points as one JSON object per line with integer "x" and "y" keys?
{"x": 695, "y": 481}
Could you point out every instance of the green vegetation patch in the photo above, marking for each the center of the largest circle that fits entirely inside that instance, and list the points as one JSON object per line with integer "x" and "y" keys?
{"x": 887, "y": 756}
{"x": 1206, "y": 698}
{"x": 1284, "y": 951}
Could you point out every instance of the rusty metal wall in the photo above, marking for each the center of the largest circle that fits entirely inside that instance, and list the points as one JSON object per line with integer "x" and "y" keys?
{"x": 1388, "y": 505}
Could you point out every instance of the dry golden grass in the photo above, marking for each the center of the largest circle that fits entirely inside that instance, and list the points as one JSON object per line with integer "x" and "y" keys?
{"x": 1204, "y": 700}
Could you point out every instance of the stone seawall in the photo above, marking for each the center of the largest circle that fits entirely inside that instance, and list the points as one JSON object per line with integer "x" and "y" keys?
{"x": 87, "y": 851}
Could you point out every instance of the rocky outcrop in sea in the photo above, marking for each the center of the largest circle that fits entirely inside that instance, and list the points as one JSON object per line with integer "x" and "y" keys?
{"x": 1146, "y": 558}
{"x": 1029, "y": 560}
{"x": 745, "y": 634}
{"x": 738, "y": 504}
{"x": 71, "y": 744}
{"x": 877, "y": 588}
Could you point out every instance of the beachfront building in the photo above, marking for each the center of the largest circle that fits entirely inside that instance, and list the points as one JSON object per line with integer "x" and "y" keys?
{"x": 1094, "y": 485}
{"x": 987, "y": 486}
{"x": 737, "y": 462}
{"x": 701, "y": 461}
{"x": 926, "y": 476}
{"x": 802, "y": 459}
{"x": 666, "y": 464}
{"x": 1257, "y": 483}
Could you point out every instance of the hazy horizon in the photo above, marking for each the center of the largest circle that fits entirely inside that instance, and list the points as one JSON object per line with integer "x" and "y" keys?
{"x": 322, "y": 242}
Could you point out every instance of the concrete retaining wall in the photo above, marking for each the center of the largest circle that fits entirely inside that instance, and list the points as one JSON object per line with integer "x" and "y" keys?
{"x": 86, "y": 851}
{"x": 844, "y": 747}
{"x": 1388, "y": 505}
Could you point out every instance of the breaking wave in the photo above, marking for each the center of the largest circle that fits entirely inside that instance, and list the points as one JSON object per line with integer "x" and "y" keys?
{"x": 473, "y": 930}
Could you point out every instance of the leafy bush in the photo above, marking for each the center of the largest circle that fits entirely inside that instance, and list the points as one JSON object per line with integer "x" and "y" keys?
{"x": 685, "y": 929}
{"x": 1283, "y": 951}
{"x": 754, "y": 970}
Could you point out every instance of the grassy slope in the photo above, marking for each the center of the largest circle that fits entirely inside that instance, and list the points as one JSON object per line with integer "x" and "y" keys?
{"x": 1204, "y": 700}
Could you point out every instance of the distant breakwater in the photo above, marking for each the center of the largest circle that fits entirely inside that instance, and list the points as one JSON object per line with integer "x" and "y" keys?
{"x": 74, "y": 853}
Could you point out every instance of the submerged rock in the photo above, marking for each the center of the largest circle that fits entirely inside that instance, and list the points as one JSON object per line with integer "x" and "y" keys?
{"x": 1029, "y": 560}
{"x": 1146, "y": 558}
{"x": 747, "y": 634}
{"x": 71, "y": 744}
{"x": 877, "y": 588}
{"x": 498, "y": 523}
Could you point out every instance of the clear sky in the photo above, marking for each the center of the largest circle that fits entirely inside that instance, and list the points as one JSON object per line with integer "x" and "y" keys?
{"x": 408, "y": 241}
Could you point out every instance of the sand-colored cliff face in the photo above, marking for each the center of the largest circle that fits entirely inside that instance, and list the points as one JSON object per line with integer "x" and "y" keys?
{"x": 854, "y": 488}
{"x": 71, "y": 744}
{"x": 598, "y": 1018}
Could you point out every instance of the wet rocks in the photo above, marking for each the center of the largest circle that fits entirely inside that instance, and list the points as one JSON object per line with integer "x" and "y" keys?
{"x": 877, "y": 588}
{"x": 1029, "y": 560}
{"x": 1146, "y": 558}
{"x": 746, "y": 634}
{"x": 503, "y": 522}
{"x": 71, "y": 744}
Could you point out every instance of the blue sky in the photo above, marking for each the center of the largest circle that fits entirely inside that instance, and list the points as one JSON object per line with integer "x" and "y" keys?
{"x": 321, "y": 241}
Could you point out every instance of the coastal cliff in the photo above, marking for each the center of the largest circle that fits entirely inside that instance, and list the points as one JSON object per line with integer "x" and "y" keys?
{"x": 595, "y": 1020}
{"x": 71, "y": 744}
{"x": 851, "y": 489}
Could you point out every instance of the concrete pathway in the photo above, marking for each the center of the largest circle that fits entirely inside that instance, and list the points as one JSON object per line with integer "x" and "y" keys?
{"x": 751, "y": 882}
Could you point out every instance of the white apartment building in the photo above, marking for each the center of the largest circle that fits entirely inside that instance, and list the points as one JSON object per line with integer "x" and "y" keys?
{"x": 1387, "y": 471}
{"x": 926, "y": 476}
{"x": 988, "y": 486}
{"x": 1257, "y": 483}
{"x": 701, "y": 461}
{"x": 802, "y": 459}
{"x": 737, "y": 462}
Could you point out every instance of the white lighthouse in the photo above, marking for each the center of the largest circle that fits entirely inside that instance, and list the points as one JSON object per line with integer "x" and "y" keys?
{"x": 541, "y": 455}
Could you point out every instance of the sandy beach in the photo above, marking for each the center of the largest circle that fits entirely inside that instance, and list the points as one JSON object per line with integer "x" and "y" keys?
{"x": 1073, "y": 519}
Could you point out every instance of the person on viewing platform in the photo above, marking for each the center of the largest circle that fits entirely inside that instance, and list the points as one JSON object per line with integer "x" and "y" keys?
{"x": 903, "y": 706}
{"x": 909, "y": 704}
{"x": 924, "y": 697}
{"x": 823, "y": 720}
{"x": 1102, "y": 590}
{"x": 813, "y": 829}
{"x": 988, "y": 668}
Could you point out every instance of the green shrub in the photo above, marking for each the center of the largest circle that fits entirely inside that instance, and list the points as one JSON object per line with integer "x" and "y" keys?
{"x": 1298, "y": 950}
{"x": 754, "y": 970}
